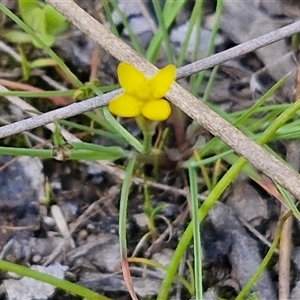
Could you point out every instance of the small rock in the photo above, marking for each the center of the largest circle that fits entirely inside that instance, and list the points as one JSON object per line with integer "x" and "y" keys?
{"x": 103, "y": 252}
{"x": 247, "y": 203}
{"x": 244, "y": 254}
{"x": 22, "y": 190}
{"x": 31, "y": 289}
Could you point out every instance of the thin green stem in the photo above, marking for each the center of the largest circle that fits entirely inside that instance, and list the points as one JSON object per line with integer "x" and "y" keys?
{"x": 147, "y": 142}
{"x": 133, "y": 37}
{"x": 123, "y": 207}
{"x": 163, "y": 27}
{"x": 121, "y": 130}
{"x": 123, "y": 226}
{"x": 288, "y": 114}
{"x": 42, "y": 153}
{"x": 147, "y": 128}
{"x": 39, "y": 94}
{"x": 59, "y": 283}
{"x": 210, "y": 84}
{"x": 199, "y": 78}
{"x": 171, "y": 10}
{"x": 196, "y": 234}
{"x": 195, "y": 20}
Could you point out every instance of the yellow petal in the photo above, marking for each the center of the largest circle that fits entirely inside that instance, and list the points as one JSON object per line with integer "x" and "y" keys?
{"x": 156, "y": 110}
{"x": 133, "y": 81}
{"x": 162, "y": 81}
{"x": 125, "y": 106}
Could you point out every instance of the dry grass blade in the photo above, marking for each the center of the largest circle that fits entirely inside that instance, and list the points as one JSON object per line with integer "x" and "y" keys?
{"x": 285, "y": 246}
{"x": 285, "y": 249}
{"x": 297, "y": 84}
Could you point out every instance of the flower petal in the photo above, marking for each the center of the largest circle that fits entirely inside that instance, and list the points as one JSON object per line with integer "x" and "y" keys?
{"x": 125, "y": 106}
{"x": 133, "y": 81}
{"x": 156, "y": 110}
{"x": 162, "y": 81}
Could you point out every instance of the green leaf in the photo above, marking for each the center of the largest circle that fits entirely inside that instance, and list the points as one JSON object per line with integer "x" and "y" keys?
{"x": 75, "y": 151}
{"x": 27, "y": 9}
{"x": 42, "y": 63}
{"x": 17, "y": 37}
{"x": 88, "y": 151}
{"x": 56, "y": 23}
{"x": 39, "y": 25}
{"x": 33, "y": 16}
{"x": 47, "y": 39}
{"x": 43, "y": 19}
{"x": 37, "y": 20}
{"x": 26, "y": 70}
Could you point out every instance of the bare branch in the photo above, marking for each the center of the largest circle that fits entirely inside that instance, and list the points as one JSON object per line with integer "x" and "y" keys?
{"x": 57, "y": 114}
{"x": 239, "y": 50}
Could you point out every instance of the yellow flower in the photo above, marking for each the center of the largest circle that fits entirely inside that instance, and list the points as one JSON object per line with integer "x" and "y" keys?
{"x": 143, "y": 96}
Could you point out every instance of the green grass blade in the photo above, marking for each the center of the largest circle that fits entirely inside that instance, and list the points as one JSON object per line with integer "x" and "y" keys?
{"x": 170, "y": 11}
{"x": 108, "y": 15}
{"x": 123, "y": 225}
{"x": 290, "y": 203}
{"x": 126, "y": 134}
{"x": 194, "y": 22}
{"x": 196, "y": 81}
{"x": 94, "y": 131}
{"x": 134, "y": 39}
{"x": 42, "y": 153}
{"x": 163, "y": 28}
{"x": 124, "y": 203}
{"x": 59, "y": 283}
{"x": 196, "y": 233}
{"x": 38, "y": 94}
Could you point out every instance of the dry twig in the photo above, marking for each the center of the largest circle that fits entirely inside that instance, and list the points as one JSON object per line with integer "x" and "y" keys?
{"x": 285, "y": 247}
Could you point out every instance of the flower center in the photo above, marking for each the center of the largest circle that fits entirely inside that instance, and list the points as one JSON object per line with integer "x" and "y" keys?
{"x": 143, "y": 92}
